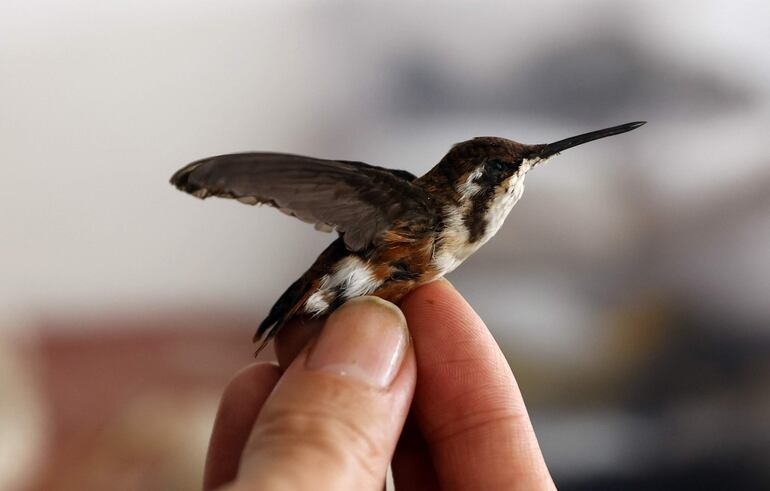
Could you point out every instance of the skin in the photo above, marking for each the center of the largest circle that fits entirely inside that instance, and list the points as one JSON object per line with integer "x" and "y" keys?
{"x": 450, "y": 417}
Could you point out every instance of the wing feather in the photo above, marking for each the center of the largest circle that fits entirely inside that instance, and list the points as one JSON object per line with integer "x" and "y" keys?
{"x": 360, "y": 201}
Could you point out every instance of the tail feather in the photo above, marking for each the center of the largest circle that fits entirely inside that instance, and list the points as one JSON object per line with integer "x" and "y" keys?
{"x": 284, "y": 309}
{"x": 289, "y": 304}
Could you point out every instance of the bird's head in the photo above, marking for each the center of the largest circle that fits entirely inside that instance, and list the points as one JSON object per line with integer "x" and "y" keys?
{"x": 487, "y": 166}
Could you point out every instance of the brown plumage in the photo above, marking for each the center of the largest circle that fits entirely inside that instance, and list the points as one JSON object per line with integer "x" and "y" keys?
{"x": 396, "y": 231}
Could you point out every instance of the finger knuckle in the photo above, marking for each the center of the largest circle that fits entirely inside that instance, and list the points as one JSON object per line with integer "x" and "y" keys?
{"x": 499, "y": 412}
{"x": 321, "y": 434}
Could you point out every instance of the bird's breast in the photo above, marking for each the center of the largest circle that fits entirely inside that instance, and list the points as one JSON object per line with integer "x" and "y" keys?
{"x": 505, "y": 197}
{"x": 456, "y": 242}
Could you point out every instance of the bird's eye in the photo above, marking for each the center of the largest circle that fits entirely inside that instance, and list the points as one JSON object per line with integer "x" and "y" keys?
{"x": 495, "y": 166}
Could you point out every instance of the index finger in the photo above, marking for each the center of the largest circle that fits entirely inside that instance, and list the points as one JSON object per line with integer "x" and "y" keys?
{"x": 467, "y": 403}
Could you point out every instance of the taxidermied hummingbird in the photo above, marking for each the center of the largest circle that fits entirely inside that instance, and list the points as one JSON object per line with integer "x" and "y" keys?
{"x": 396, "y": 231}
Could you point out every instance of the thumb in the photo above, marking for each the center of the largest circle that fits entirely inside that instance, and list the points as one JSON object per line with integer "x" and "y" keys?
{"x": 334, "y": 418}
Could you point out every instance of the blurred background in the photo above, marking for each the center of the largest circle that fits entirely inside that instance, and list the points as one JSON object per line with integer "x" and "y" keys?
{"x": 629, "y": 288}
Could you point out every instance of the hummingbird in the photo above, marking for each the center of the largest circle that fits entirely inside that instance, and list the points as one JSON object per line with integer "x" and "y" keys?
{"x": 396, "y": 231}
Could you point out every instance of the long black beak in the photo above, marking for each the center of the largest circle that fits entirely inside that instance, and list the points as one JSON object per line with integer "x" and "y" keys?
{"x": 561, "y": 145}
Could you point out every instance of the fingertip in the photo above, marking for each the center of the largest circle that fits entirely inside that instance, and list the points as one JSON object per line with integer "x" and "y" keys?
{"x": 366, "y": 338}
{"x": 430, "y": 292}
{"x": 467, "y": 396}
{"x": 294, "y": 336}
{"x": 439, "y": 303}
{"x": 440, "y": 296}
{"x": 252, "y": 374}
{"x": 339, "y": 407}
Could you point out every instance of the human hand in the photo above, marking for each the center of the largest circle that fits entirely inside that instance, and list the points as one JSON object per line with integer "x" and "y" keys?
{"x": 336, "y": 417}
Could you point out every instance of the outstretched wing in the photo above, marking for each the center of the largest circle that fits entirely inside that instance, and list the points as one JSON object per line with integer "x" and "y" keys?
{"x": 360, "y": 201}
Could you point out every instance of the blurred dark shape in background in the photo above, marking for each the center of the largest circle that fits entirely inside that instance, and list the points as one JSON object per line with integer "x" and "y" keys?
{"x": 596, "y": 78}
{"x": 629, "y": 288}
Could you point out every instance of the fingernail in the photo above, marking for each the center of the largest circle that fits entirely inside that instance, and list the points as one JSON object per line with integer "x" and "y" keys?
{"x": 364, "y": 339}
